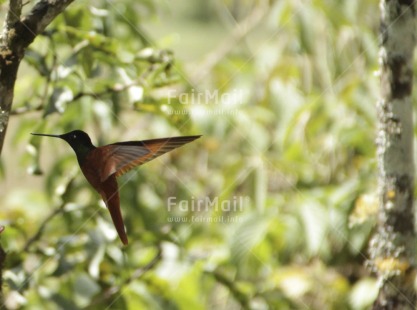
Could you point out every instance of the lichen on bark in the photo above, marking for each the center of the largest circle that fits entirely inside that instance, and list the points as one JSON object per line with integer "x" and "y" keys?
{"x": 392, "y": 248}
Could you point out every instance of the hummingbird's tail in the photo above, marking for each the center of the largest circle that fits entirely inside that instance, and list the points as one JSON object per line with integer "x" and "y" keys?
{"x": 110, "y": 195}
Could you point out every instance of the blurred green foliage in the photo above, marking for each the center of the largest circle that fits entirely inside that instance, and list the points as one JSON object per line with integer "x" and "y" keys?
{"x": 287, "y": 112}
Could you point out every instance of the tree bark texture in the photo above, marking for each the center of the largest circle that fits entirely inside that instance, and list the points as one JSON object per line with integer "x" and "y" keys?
{"x": 18, "y": 33}
{"x": 392, "y": 248}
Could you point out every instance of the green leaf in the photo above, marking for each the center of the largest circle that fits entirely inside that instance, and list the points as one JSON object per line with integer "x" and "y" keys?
{"x": 247, "y": 235}
{"x": 85, "y": 288}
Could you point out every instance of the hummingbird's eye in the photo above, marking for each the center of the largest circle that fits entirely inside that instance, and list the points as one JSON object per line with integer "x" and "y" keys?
{"x": 74, "y": 136}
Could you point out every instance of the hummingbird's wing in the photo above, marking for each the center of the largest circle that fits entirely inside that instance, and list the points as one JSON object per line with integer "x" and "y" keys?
{"x": 123, "y": 156}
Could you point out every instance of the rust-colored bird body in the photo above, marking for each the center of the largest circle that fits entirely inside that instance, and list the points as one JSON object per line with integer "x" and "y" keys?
{"x": 101, "y": 165}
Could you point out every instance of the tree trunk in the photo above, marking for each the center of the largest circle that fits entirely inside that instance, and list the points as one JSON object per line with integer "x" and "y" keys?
{"x": 392, "y": 249}
{"x": 18, "y": 33}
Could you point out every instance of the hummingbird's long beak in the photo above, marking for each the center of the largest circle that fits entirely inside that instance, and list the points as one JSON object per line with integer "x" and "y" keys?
{"x": 42, "y": 134}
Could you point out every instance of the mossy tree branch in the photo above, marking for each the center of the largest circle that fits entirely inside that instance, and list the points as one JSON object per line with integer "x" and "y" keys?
{"x": 393, "y": 247}
{"x": 18, "y": 33}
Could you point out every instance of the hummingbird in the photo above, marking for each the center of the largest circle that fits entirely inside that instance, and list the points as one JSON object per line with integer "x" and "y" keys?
{"x": 101, "y": 165}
